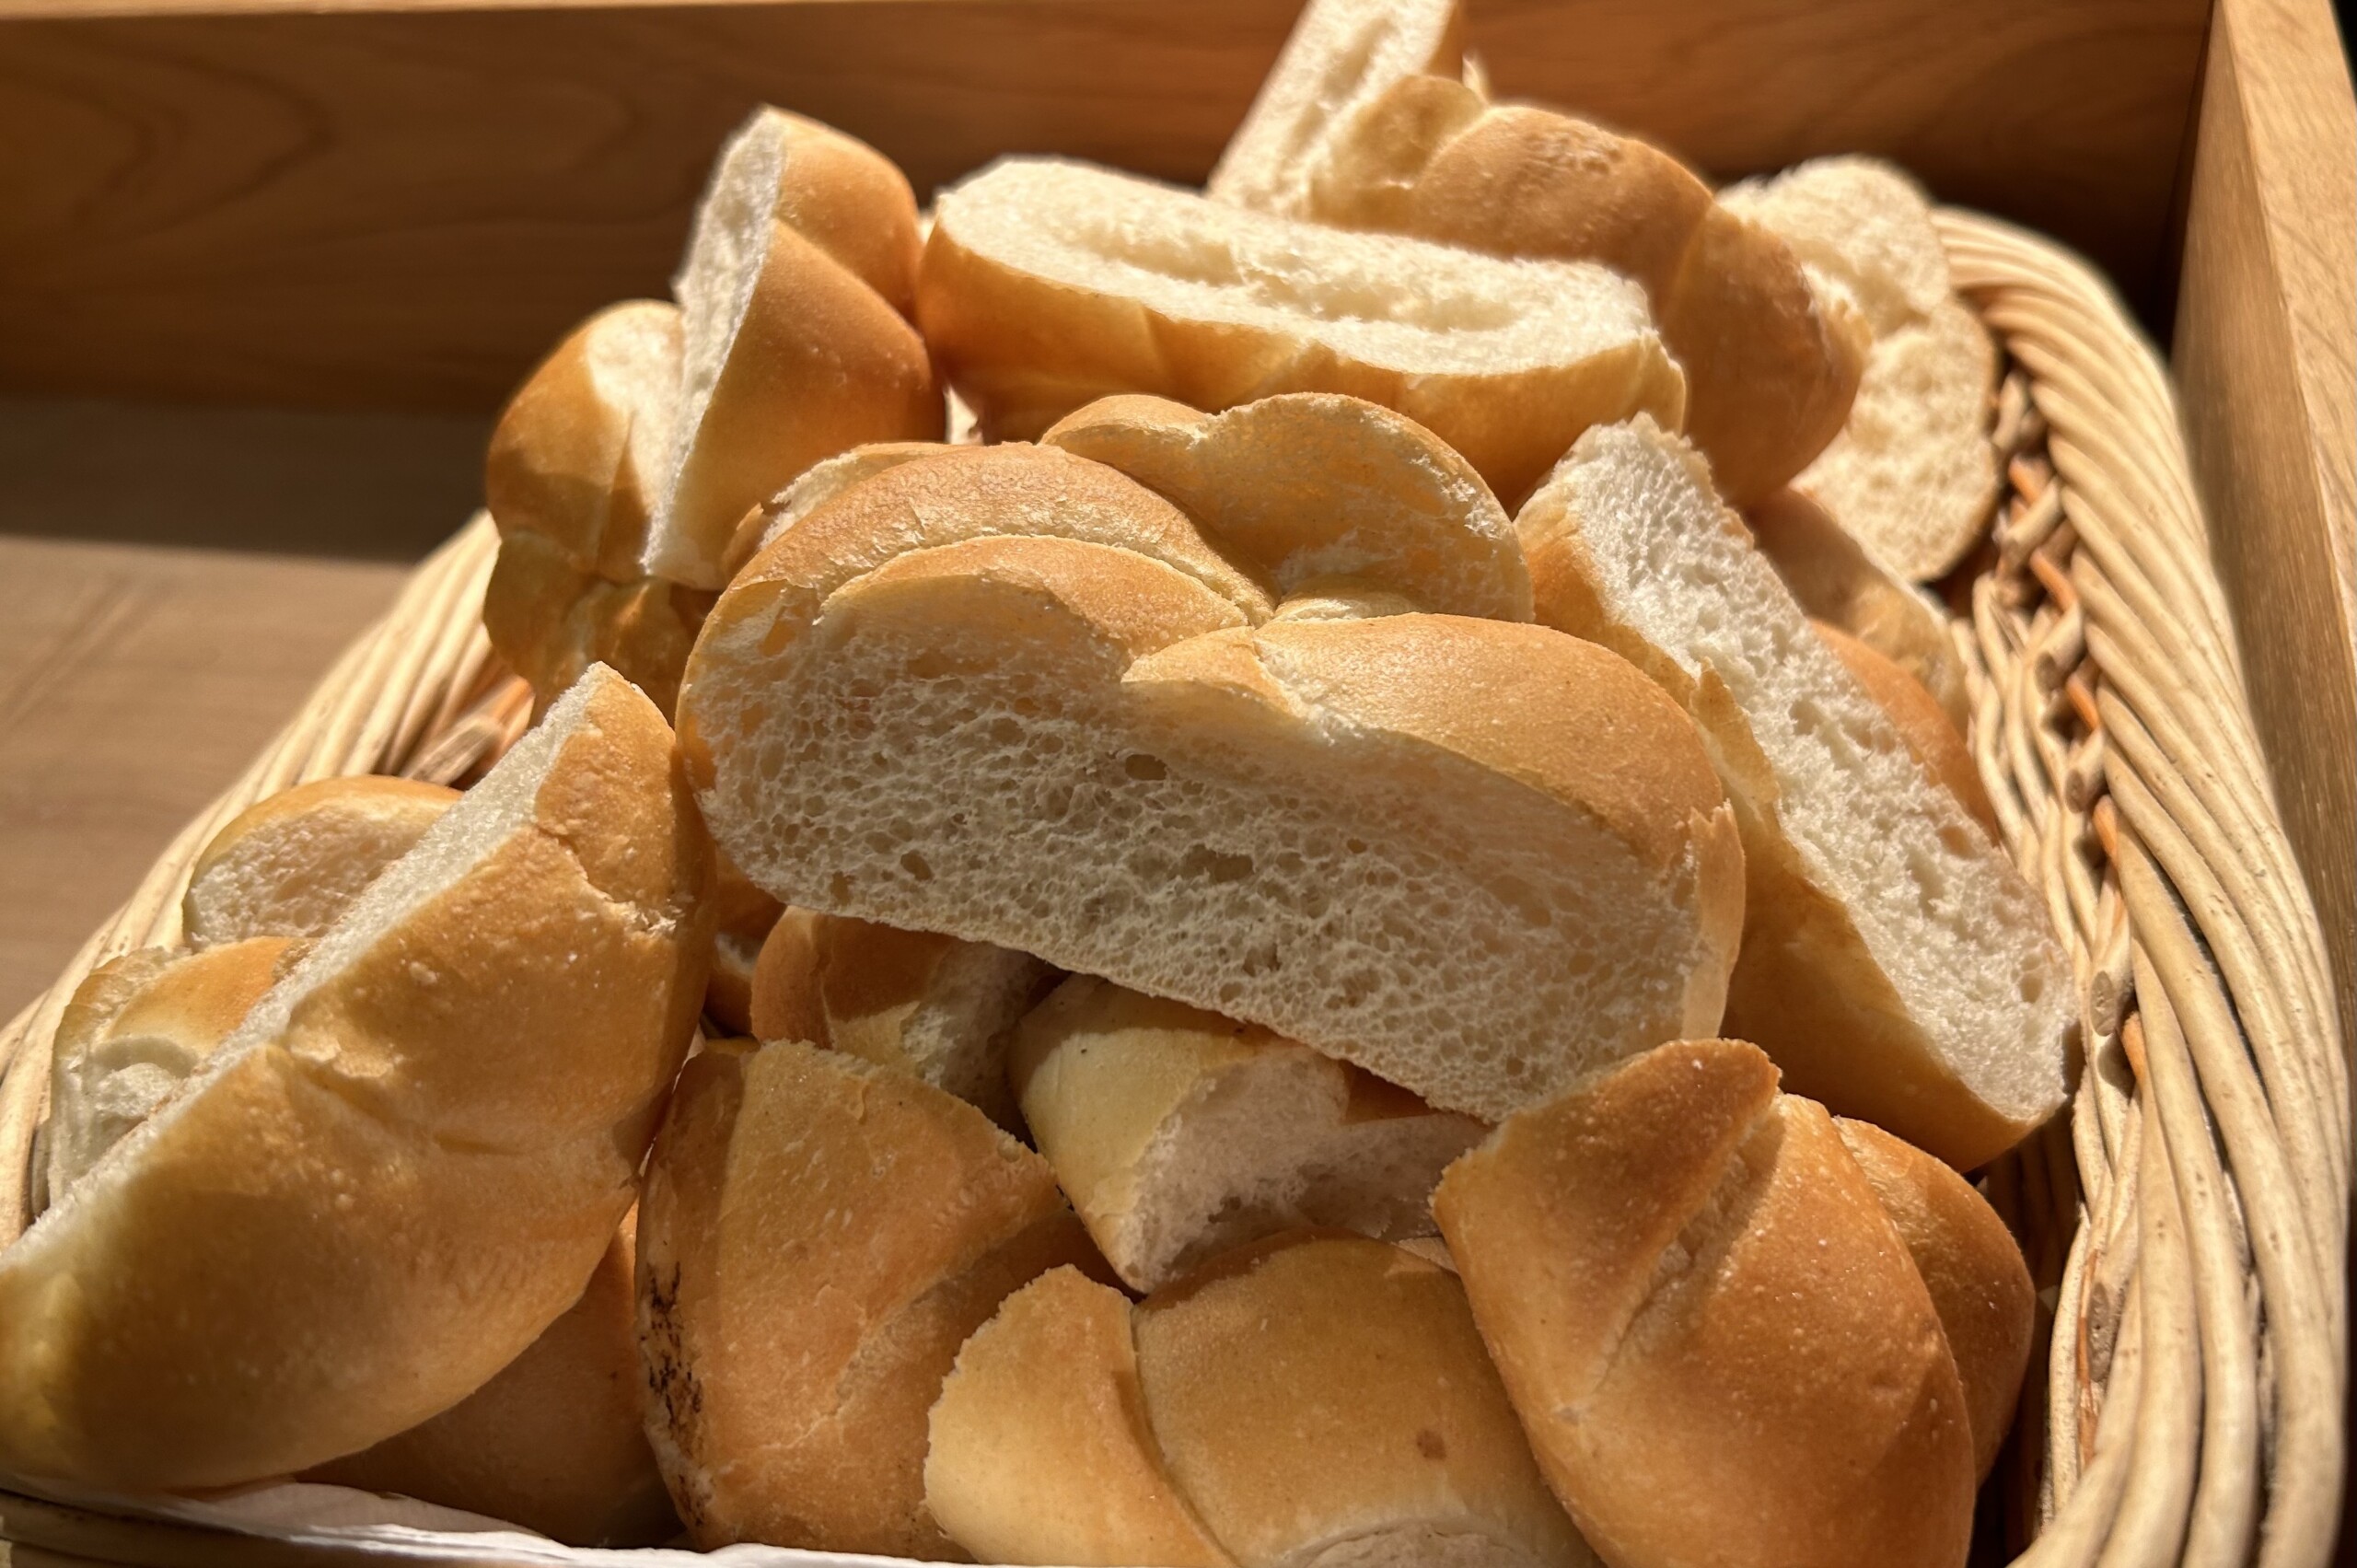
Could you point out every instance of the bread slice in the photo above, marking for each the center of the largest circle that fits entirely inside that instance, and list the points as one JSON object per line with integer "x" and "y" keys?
{"x": 1931, "y": 740}
{"x": 1048, "y": 285}
{"x": 1894, "y": 961}
{"x": 916, "y": 1001}
{"x": 408, "y": 1159}
{"x": 1709, "y": 1327}
{"x": 794, "y": 340}
{"x": 1862, "y": 224}
{"x": 291, "y": 864}
{"x": 556, "y": 1442}
{"x": 1475, "y": 858}
{"x": 1833, "y": 578}
{"x": 818, "y": 1235}
{"x": 813, "y": 488}
{"x": 1178, "y": 1134}
{"x": 1310, "y": 1398}
{"x": 1319, "y": 493}
{"x": 1340, "y": 55}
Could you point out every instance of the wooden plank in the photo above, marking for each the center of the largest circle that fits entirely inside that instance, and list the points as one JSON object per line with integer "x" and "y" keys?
{"x": 2265, "y": 358}
{"x": 386, "y": 205}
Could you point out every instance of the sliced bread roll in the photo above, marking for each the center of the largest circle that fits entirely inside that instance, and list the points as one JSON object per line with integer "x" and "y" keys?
{"x": 1178, "y": 1134}
{"x": 1048, "y": 285}
{"x": 552, "y": 622}
{"x": 1913, "y": 474}
{"x": 1319, "y": 492}
{"x": 1769, "y": 365}
{"x": 917, "y": 1001}
{"x": 813, "y": 488}
{"x": 1931, "y": 740}
{"x": 1475, "y": 858}
{"x": 1309, "y": 1399}
{"x": 1894, "y": 962}
{"x": 291, "y": 864}
{"x": 405, "y": 1161}
{"x": 1711, "y": 1330}
{"x": 818, "y": 1237}
{"x": 556, "y": 1442}
{"x": 1340, "y": 55}
{"x": 1833, "y": 578}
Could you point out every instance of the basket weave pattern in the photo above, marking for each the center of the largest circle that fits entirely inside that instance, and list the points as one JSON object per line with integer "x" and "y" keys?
{"x": 2185, "y": 1220}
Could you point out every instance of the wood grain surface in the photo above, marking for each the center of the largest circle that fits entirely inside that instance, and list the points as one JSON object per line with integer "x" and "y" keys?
{"x": 2266, "y": 359}
{"x": 401, "y": 206}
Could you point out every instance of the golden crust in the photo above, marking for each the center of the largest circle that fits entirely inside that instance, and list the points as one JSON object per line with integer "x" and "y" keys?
{"x": 552, "y": 621}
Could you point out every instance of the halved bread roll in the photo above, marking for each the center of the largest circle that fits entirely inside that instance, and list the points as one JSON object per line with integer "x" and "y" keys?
{"x": 405, "y": 1161}
{"x": 1771, "y": 368}
{"x": 556, "y": 1442}
{"x": 291, "y": 864}
{"x": 1341, "y": 55}
{"x": 1307, "y": 1399}
{"x": 1709, "y": 1327}
{"x": 1895, "y": 963}
{"x": 1178, "y": 1134}
{"x": 1931, "y": 740}
{"x": 914, "y": 1000}
{"x": 818, "y": 1235}
{"x": 1475, "y": 858}
{"x": 1320, "y": 493}
{"x": 1048, "y": 285}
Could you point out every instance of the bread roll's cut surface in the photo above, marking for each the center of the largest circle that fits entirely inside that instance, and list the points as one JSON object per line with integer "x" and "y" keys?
{"x": 1180, "y": 1134}
{"x": 1472, "y": 858}
{"x": 1931, "y": 738}
{"x": 405, "y": 1161}
{"x": 1894, "y": 962}
{"x": 1719, "y": 1346}
{"x": 556, "y": 1442}
{"x": 289, "y": 865}
{"x": 1048, "y": 285}
{"x": 818, "y": 1237}
{"x": 1861, "y": 223}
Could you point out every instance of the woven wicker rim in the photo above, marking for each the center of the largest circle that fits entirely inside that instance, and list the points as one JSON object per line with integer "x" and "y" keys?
{"x": 2188, "y": 1217}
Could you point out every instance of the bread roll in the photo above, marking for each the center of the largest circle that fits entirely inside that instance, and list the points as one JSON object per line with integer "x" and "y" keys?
{"x": 912, "y": 1000}
{"x": 1307, "y": 1399}
{"x": 1972, "y": 1267}
{"x": 743, "y": 917}
{"x": 1931, "y": 740}
{"x": 792, "y": 293}
{"x": 1178, "y": 1134}
{"x": 1319, "y": 492}
{"x": 556, "y": 1442}
{"x": 1913, "y": 474}
{"x": 1048, "y": 285}
{"x": 813, "y": 488}
{"x": 552, "y": 621}
{"x": 1833, "y": 578}
{"x": 136, "y": 1029}
{"x": 290, "y": 865}
{"x": 1340, "y": 55}
{"x": 1769, "y": 367}
{"x": 405, "y": 1163}
{"x": 1894, "y": 963}
{"x": 818, "y": 1237}
{"x": 1475, "y": 858}
{"x": 1709, "y": 1326}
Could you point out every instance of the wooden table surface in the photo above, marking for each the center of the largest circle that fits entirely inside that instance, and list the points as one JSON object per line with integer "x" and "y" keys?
{"x": 157, "y": 623}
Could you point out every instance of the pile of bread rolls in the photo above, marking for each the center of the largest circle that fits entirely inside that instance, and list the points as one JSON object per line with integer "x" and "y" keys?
{"x": 1357, "y": 930}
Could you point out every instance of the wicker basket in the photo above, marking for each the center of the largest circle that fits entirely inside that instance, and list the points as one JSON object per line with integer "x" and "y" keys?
{"x": 2187, "y": 1219}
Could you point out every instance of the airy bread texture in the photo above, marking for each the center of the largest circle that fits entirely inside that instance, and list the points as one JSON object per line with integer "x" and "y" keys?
{"x": 1711, "y": 1330}
{"x": 1341, "y": 55}
{"x": 1931, "y": 738}
{"x": 916, "y": 1001}
{"x": 1327, "y": 492}
{"x": 405, "y": 1161}
{"x": 1894, "y": 963}
{"x": 1048, "y": 285}
{"x": 1769, "y": 365}
{"x": 818, "y": 1235}
{"x": 1833, "y": 578}
{"x": 290, "y": 865}
{"x": 1311, "y": 1400}
{"x": 556, "y": 1442}
{"x": 1913, "y": 474}
{"x": 1178, "y": 1134}
{"x": 136, "y": 1029}
{"x": 798, "y": 276}
{"x": 1010, "y": 695}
